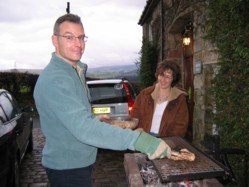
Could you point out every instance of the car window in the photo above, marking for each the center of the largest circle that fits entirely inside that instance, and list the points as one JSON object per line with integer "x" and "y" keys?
{"x": 107, "y": 93}
{"x": 3, "y": 117}
{"x": 8, "y": 110}
{"x": 8, "y": 107}
{"x": 4, "y": 129}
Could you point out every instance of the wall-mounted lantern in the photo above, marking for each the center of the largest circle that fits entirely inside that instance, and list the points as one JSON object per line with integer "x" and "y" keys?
{"x": 186, "y": 40}
{"x": 186, "y": 36}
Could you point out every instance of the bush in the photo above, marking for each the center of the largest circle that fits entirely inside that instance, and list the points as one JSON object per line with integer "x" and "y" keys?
{"x": 228, "y": 29}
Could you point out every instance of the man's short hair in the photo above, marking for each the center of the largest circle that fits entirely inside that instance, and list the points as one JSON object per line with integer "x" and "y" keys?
{"x": 67, "y": 17}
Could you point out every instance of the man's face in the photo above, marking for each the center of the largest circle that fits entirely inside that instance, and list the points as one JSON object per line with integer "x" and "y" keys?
{"x": 67, "y": 45}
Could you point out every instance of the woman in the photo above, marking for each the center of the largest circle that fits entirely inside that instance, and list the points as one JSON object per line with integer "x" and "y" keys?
{"x": 162, "y": 109}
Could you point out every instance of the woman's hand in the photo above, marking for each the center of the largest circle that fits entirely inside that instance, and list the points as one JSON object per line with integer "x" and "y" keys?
{"x": 103, "y": 117}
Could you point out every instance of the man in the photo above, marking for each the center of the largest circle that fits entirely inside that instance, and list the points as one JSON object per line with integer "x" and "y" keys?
{"x": 72, "y": 133}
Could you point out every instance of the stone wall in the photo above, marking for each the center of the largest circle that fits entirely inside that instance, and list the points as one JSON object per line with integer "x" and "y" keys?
{"x": 204, "y": 53}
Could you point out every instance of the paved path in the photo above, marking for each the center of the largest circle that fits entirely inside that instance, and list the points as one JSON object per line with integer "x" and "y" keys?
{"x": 108, "y": 170}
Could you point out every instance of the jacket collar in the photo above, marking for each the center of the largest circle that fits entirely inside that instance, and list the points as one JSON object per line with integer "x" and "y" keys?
{"x": 62, "y": 63}
{"x": 174, "y": 93}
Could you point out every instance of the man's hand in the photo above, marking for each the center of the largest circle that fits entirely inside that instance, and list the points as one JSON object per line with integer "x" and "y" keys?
{"x": 139, "y": 129}
{"x": 152, "y": 146}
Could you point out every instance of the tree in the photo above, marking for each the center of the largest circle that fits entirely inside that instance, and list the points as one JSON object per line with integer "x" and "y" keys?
{"x": 149, "y": 60}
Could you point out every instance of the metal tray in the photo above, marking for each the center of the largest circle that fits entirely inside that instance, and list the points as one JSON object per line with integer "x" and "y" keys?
{"x": 120, "y": 117}
{"x": 202, "y": 167}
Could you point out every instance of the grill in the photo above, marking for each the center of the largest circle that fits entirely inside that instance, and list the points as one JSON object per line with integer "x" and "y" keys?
{"x": 202, "y": 167}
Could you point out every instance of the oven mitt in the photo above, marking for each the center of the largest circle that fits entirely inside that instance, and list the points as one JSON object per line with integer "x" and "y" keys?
{"x": 153, "y": 147}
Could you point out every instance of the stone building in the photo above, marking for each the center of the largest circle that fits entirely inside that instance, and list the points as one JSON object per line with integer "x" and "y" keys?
{"x": 169, "y": 21}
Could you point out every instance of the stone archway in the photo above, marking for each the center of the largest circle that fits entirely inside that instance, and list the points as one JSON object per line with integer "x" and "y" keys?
{"x": 184, "y": 57}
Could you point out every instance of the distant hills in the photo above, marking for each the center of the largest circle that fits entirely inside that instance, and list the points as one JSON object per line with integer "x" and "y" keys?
{"x": 128, "y": 71}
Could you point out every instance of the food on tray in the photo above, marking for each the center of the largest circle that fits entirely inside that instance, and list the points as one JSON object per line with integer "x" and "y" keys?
{"x": 129, "y": 124}
{"x": 183, "y": 154}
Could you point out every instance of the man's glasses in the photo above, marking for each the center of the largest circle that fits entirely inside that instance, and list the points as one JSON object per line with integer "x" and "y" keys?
{"x": 72, "y": 38}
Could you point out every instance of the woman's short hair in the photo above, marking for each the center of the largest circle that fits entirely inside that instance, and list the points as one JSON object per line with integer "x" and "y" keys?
{"x": 169, "y": 64}
{"x": 67, "y": 17}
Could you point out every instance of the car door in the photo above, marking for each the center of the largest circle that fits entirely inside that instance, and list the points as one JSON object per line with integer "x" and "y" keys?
{"x": 23, "y": 129}
{"x": 6, "y": 138}
{"x": 6, "y": 111}
{"x": 15, "y": 117}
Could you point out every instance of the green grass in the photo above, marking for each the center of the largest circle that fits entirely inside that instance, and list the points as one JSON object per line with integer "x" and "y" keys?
{"x": 24, "y": 89}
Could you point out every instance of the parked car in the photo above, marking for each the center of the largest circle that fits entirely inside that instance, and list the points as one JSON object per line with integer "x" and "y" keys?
{"x": 15, "y": 138}
{"x": 114, "y": 97}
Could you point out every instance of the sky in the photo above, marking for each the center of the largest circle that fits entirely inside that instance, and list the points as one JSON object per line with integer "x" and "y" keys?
{"x": 26, "y": 26}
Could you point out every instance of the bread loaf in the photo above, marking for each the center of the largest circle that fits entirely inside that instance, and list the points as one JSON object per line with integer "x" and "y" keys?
{"x": 183, "y": 154}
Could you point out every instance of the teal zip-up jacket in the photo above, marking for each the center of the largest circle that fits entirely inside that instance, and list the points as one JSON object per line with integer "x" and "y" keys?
{"x": 72, "y": 133}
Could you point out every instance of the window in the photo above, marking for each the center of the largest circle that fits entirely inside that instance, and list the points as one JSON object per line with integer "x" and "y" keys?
{"x": 8, "y": 110}
{"x": 107, "y": 93}
{"x": 8, "y": 107}
{"x": 3, "y": 117}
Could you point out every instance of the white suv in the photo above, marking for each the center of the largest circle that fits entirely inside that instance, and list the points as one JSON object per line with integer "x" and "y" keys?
{"x": 114, "y": 97}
